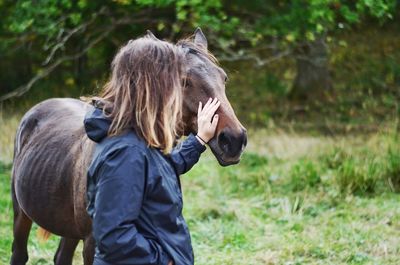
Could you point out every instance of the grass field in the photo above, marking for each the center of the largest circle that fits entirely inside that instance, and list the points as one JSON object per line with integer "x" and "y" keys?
{"x": 293, "y": 199}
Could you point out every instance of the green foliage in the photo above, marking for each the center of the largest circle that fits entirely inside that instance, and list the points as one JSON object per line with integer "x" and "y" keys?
{"x": 37, "y": 33}
{"x": 292, "y": 21}
{"x": 299, "y": 20}
{"x": 44, "y": 18}
{"x": 380, "y": 9}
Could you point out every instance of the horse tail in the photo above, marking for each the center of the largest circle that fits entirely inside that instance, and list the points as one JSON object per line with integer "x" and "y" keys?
{"x": 43, "y": 234}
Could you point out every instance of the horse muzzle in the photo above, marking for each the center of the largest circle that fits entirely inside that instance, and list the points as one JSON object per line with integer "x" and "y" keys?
{"x": 228, "y": 146}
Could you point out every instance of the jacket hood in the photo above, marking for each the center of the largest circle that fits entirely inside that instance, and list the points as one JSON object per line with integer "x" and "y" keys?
{"x": 96, "y": 124}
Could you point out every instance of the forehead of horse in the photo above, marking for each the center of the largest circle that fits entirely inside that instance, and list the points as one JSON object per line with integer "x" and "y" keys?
{"x": 197, "y": 56}
{"x": 204, "y": 68}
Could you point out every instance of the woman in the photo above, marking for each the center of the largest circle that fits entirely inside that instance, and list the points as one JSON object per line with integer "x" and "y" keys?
{"x": 134, "y": 193}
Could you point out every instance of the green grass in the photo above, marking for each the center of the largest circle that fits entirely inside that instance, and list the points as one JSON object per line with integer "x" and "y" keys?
{"x": 293, "y": 199}
{"x": 238, "y": 223}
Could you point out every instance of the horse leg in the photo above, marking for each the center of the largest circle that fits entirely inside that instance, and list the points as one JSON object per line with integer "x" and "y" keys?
{"x": 21, "y": 228}
{"x": 88, "y": 250}
{"x": 65, "y": 251}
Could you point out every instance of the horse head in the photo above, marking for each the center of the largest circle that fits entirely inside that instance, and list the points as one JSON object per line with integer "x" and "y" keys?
{"x": 206, "y": 79}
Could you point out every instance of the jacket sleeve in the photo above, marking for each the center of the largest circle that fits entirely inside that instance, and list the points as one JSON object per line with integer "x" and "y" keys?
{"x": 120, "y": 184}
{"x": 186, "y": 154}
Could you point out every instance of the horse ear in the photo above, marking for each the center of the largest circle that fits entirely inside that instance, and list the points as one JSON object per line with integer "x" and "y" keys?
{"x": 151, "y": 35}
{"x": 200, "y": 38}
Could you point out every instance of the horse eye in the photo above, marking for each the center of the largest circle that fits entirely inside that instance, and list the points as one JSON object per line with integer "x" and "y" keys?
{"x": 226, "y": 78}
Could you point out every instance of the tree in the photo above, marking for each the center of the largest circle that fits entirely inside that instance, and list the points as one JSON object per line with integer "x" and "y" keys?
{"x": 300, "y": 29}
{"x": 51, "y": 35}
{"x": 59, "y": 33}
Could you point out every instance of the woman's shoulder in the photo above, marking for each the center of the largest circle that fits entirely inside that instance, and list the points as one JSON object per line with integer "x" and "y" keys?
{"x": 127, "y": 143}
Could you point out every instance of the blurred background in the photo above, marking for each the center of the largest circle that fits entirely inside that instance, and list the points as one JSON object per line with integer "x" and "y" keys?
{"x": 317, "y": 83}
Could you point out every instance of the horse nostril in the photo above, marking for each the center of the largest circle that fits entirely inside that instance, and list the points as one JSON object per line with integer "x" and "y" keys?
{"x": 232, "y": 144}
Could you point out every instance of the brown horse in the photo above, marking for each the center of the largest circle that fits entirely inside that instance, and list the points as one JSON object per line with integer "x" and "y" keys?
{"x": 52, "y": 155}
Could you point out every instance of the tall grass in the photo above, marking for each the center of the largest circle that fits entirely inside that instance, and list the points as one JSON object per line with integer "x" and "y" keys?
{"x": 358, "y": 175}
{"x": 304, "y": 173}
{"x": 368, "y": 168}
{"x": 392, "y": 172}
{"x": 8, "y": 127}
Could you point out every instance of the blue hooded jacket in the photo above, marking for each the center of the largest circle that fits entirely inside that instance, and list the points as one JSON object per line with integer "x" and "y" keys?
{"x": 134, "y": 197}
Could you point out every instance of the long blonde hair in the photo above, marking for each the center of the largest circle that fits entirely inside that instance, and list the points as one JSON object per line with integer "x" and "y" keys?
{"x": 145, "y": 89}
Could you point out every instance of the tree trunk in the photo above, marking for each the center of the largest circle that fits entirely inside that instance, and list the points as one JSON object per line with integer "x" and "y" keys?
{"x": 313, "y": 79}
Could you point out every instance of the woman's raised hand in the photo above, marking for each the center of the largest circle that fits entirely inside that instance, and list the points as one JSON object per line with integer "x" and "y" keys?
{"x": 206, "y": 120}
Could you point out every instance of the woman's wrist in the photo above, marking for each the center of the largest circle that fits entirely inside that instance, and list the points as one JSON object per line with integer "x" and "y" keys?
{"x": 200, "y": 139}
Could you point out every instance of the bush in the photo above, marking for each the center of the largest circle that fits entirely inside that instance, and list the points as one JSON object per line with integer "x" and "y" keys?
{"x": 356, "y": 172}
{"x": 304, "y": 174}
{"x": 359, "y": 175}
{"x": 392, "y": 172}
{"x": 334, "y": 159}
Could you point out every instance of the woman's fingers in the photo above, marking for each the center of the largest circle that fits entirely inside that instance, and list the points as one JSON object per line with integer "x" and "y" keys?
{"x": 212, "y": 111}
{"x": 214, "y": 122}
{"x": 209, "y": 109}
{"x": 209, "y": 112}
{"x": 215, "y": 107}
{"x": 207, "y": 103}
{"x": 206, "y": 121}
